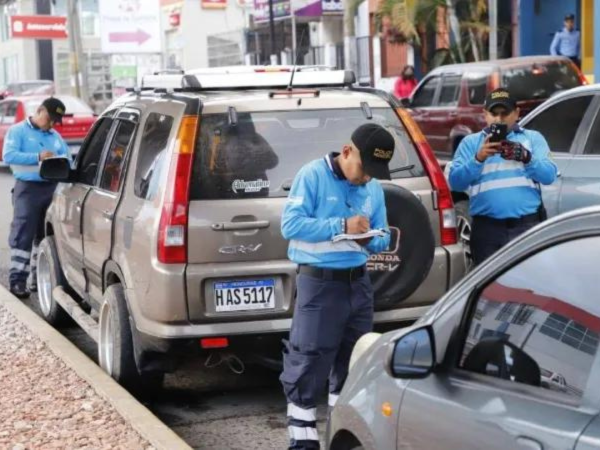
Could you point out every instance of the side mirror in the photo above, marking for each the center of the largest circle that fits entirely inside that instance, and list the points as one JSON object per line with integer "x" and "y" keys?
{"x": 55, "y": 169}
{"x": 414, "y": 354}
{"x": 405, "y": 102}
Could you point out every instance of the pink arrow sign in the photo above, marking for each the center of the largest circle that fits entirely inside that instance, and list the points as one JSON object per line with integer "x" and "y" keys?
{"x": 139, "y": 36}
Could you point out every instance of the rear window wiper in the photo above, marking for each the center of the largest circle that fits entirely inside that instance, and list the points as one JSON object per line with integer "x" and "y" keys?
{"x": 403, "y": 168}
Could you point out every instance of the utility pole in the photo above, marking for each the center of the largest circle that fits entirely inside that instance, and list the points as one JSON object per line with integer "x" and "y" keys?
{"x": 75, "y": 49}
{"x": 272, "y": 32}
{"x": 493, "y": 15}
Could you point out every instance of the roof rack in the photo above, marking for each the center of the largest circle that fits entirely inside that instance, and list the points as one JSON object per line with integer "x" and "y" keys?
{"x": 250, "y": 77}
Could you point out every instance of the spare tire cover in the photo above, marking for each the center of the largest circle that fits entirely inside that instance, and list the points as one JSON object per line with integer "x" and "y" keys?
{"x": 398, "y": 271}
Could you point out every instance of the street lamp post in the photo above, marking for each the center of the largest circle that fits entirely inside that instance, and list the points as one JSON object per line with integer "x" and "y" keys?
{"x": 75, "y": 48}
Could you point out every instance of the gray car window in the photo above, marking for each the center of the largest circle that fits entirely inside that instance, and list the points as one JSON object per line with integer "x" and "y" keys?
{"x": 112, "y": 172}
{"x": 261, "y": 154}
{"x": 426, "y": 93}
{"x": 533, "y": 327}
{"x": 567, "y": 114}
{"x": 89, "y": 155}
{"x": 592, "y": 146}
{"x": 450, "y": 90}
{"x": 151, "y": 159}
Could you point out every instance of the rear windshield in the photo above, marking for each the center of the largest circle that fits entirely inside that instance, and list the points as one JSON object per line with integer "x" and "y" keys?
{"x": 260, "y": 156}
{"x": 540, "y": 81}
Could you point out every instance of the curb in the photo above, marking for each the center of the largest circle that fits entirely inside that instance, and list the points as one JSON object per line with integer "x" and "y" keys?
{"x": 138, "y": 416}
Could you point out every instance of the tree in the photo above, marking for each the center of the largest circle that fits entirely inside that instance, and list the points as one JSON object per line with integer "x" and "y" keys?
{"x": 410, "y": 21}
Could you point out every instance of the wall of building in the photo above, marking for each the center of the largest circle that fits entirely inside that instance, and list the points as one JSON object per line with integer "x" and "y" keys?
{"x": 194, "y": 39}
{"x": 539, "y": 20}
{"x": 18, "y": 57}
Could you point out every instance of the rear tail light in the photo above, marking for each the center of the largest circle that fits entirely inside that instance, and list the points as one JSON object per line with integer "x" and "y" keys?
{"x": 445, "y": 205}
{"x": 216, "y": 342}
{"x": 172, "y": 231}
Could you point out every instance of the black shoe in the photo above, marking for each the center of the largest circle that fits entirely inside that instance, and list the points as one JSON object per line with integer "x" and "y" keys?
{"x": 19, "y": 290}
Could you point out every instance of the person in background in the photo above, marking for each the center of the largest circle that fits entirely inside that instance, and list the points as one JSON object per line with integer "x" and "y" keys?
{"x": 406, "y": 83}
{"x": 502, "y": 178}
{"x": 567, "y": 41}
{"x": 27, "y": 144}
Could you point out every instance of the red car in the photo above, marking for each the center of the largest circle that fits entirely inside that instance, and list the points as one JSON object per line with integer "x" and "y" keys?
{"x": 77, "y": 121}
{"x": 448, "y": 103}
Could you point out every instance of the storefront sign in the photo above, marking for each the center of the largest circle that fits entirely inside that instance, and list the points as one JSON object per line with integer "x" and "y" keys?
{"x": 281, "y": 10}
{"x": 214, "y": 4}
{"x": 130, "y": 26}
{"x": 39, "y": 27}
{"x": 332, "y": 6}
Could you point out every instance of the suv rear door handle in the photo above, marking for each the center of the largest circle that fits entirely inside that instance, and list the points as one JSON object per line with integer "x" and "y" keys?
{"x": 235, "y": 226}
{"x": 107, "y": 214}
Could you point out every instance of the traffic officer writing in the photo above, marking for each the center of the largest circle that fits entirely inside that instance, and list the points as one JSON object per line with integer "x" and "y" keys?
{"x": 26, "y": 145}
{"x": 501, "y": 168}
{"x": 330, "y": 197}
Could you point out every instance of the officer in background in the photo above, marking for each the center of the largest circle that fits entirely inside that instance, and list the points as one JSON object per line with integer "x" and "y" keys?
{"x": 502, "y": 178}
{"x": 567, "y": 41}
{"x": 26, "y": 145}
{"x": 334, "y": 302}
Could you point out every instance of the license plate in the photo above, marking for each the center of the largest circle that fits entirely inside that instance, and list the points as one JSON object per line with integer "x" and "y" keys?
{"x": 244, "y": 295}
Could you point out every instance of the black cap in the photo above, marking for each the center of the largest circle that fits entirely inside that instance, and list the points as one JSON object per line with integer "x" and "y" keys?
{"x": 56, "y": 109}
{"x": 376, "y": 146}
{"x": 500, "y": 97}
{"x": 570, "y": 17}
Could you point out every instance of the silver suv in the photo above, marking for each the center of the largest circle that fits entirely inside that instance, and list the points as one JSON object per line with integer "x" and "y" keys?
{"x": 167, "y": 229}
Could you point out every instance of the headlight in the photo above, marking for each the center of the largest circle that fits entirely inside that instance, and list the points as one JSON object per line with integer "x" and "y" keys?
{"x": 362, "y": 345}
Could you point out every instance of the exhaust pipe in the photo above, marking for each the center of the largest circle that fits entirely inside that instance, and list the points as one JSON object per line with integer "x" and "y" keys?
{"x": 235, "y": 364}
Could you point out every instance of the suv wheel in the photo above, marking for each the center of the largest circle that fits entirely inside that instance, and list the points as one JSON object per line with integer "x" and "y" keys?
{"x": 115, "y": 343}
{"x": 49, "y": 276}
{"x": 464, "y": 227}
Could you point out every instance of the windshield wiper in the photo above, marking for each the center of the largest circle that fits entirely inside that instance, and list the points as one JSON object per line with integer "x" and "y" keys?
{"x": 403, "y": 168}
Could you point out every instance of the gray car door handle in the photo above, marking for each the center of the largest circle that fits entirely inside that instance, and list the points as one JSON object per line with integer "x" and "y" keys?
{"x": 527, "y": 442}
{"x": 107, "y": 214}
{"x": 234, "y": 226}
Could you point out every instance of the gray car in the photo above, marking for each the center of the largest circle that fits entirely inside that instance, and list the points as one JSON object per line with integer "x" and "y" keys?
{"x": 508, "y": 359}
{"x": 163, "y": 242}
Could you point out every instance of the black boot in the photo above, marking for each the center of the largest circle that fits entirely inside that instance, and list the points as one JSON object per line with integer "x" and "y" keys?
{"x": 19, "y": 290}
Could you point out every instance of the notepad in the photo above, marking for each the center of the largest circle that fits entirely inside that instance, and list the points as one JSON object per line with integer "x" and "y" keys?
{"x": 357, "y": 237}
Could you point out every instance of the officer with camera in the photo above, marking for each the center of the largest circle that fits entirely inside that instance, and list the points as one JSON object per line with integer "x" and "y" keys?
{"x": 501, "y": 169}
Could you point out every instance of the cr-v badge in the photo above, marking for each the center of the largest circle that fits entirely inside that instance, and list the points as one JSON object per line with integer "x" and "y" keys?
{"x": 244, "y": 249}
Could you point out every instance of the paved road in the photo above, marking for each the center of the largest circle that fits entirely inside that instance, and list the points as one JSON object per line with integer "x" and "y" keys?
{"x": 209, "y": 408}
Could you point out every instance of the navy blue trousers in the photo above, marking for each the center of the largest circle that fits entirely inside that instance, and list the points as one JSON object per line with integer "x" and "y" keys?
{"x": 489, "y": 235}
{"x": 30, "y": 201}
{"x": 329, "y": 317}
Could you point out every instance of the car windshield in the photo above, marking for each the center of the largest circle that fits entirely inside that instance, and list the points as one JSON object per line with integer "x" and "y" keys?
{"x": 73, "y": 105}
{"x": 540, "y": 81}
{"x": 260, "y": 155}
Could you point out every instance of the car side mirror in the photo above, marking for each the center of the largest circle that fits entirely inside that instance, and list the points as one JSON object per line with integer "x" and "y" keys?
{"x": 55, "y": 169}
{"x": 414, "y": 354}
{"x": 405, "y": 102}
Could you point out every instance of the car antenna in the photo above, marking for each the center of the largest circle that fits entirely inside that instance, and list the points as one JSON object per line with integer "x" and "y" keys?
{"x": 289, "y": 88}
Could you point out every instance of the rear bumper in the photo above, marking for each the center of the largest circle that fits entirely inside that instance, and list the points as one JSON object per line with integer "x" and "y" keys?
{"x": 447, "y": 268}
{"x": 167, "y": 331}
